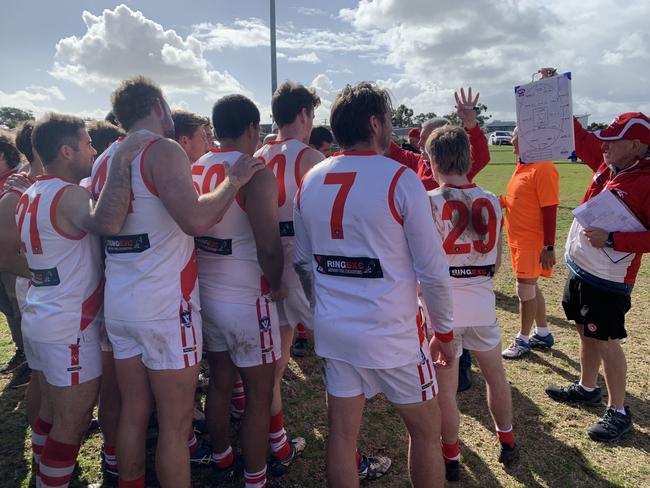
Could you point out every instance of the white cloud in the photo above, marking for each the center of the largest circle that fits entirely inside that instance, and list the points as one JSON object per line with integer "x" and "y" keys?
{"x": 37, "y": 99}
{"x": 495, "y": 45}
{"x": 310, "y": 11}
{"x": 305, "y": 58}
{"x": 121, "y": 43}
{"x": 253, "y": 32}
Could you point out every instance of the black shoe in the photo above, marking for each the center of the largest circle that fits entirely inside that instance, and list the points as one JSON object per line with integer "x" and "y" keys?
{"x": 612, "y": 426}
{"x": 574, "y": 393}
{"x": 299, "y": 348}
{"x": 508, "y": 455}
{"x": 279, "y": 467}
{"x": 230, "y": 473}
{"x": 373, "y": 467}
{"x": 18, "y": 359}
{"x": 21, "y": 377}
{"x": 452, "y": 470}
{"x": 464, "y": 379}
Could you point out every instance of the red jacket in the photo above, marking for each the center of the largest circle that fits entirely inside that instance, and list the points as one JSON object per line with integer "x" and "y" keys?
{"x": 632, "y": 186}
{"x": 479, "y": 153}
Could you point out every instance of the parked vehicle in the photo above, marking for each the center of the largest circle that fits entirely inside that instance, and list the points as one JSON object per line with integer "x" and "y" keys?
{"x": 500, "y": 138}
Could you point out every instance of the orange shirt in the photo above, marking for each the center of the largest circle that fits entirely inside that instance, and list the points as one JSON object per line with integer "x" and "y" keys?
{"x": 532, "y": 186}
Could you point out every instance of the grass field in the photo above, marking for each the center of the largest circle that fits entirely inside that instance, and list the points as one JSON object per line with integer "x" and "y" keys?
{"x": 555, "y": 451}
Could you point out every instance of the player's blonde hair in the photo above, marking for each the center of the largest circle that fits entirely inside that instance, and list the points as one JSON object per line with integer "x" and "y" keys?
{"x": 448, "y": 146}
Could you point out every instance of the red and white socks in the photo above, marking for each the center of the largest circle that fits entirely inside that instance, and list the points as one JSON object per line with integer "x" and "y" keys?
{"x": 40, "y": 430}
{"x": 223, "y": 459}
{"x": 301, "y": 332}
{"x": 255, "y": 480}
{"x": 451, "y": 452}
{"x": 238, "y": 399}
{"x": 136, "y": 483}
{"x": 193, "y": 443}
{"x": 506, "y": 436}
{"x": 57, "y": 463}
{"x": 278, "y": 437}
{"x": 110, "y": 458}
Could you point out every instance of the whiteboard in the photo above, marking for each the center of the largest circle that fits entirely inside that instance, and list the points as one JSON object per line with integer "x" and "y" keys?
{"x": 545, "y": 119}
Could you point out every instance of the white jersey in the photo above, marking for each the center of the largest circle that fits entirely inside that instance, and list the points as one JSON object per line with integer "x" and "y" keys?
{"x": 283, "y": 158}
{"x": 66, "y": 292}
{"x": 227, "y": 255}
{"x": 363, "y": 223}
{"x": 468, "y": 220}
{"x": 151, "y": 266}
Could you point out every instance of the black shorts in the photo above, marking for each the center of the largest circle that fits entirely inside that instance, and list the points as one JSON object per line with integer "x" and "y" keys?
{"x": 601, "y": 312}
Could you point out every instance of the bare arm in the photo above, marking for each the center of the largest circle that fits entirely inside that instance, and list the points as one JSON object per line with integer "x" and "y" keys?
{"x": 167, "y": 166}
{"x": 261, "y": 196}
{"x": 303, "y": 255}
{"x": 11, "y": 260}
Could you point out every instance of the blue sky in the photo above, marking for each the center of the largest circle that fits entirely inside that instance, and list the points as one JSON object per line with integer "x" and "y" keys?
{"x": 69, "y": 55}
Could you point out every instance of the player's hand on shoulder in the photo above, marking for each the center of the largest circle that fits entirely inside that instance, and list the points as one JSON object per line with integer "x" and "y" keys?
{"x": 133, "y": 144}
{"x": 17, "y": 182}
{"x": 245, "y": 167}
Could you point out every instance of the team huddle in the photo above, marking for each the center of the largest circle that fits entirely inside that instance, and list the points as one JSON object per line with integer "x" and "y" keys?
{"x": 164, "y": 250}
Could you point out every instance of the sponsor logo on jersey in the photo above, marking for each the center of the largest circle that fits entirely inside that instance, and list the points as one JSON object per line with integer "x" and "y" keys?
{"x": 350, "y": 267}
{"x": 127, "y": 244}
{"x": 265, "y": 324}
{"x": 72, "y": 369}
{"x": 45, "y": 277}
{"x": 214, "y": 245}
{"x": 189, "y": 349}
{"x": 286, "y": 229}
{"x": 471, "y": 271}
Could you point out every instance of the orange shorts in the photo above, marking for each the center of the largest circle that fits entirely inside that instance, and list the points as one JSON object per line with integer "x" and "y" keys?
{"x": 526, "y": 263}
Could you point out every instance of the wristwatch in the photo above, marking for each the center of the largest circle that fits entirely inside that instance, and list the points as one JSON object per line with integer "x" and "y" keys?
{"x": 549, "y": 248}
{"x": 610, "y": 240}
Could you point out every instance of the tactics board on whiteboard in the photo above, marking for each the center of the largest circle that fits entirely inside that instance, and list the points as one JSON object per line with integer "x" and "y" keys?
{"x": 545, "y": 119}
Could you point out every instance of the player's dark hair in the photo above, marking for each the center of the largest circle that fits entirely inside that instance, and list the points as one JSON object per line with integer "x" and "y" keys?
{"x": 53, "y": 131}
{"x": 134, "y": 99}
{"x": 232, "y": 114}
{"x": 186, "y": 123}
{"x": 24, "y": 139}
{"x": 352, "y": 109}
{"x": 448, "y": 146}
{"x": 319, "y": 136}
{"x": 289, "y": 99}
{"x": 8, "y": 149}
{"x": 103, "y": 134}
{"x": 111, "y": 119}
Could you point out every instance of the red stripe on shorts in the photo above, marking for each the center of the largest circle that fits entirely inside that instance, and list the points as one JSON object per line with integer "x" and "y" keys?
{"x": 74, "y": 362}
{"x": 259, "y": 319}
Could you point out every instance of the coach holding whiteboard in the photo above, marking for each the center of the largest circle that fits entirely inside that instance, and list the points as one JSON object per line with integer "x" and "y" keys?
{"x": 597, "y": 291}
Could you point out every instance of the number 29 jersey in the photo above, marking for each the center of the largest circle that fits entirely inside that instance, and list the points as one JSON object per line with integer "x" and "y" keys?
{"x": 468, "y": 219}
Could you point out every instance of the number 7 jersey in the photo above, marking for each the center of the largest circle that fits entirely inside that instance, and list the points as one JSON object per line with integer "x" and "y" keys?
{"x": 468, "y": 219}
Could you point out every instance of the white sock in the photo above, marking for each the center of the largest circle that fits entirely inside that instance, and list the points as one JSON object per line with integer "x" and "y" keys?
{"x": 542, "y": 331}
{"x": 586, "y": 388}
{"x": 523, "y": 337}
{"x": 619, "y": 410}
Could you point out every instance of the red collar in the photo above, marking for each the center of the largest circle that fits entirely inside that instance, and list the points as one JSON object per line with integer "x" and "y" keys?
{"x": 355, "y": 153}
{"x": 221, "y": 149}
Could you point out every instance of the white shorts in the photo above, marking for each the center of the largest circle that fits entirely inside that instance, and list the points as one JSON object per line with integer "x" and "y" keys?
{"x": 22, "y": 286}
{"x": 402, "y": 386}
{"x": 104, "y": 342}
{"x": 249, "y": 332}
{"x": 65, "y": 364}
{"x": 295, "y": 309}
{"x": 163, "y": 344}
{"x": 476, "y": 338}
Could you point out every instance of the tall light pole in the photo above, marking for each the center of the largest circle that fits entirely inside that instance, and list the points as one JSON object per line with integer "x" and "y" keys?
{"x": 274, "y": 67}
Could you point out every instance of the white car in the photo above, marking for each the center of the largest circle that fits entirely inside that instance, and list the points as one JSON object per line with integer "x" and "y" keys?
{"x": 500, "y": 138}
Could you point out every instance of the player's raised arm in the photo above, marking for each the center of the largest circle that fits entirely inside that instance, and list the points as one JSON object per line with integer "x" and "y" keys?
{"x": 169, "y": 168}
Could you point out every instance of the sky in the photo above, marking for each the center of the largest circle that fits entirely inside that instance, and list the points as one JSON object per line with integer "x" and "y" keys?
{"x": 69, "y": 55}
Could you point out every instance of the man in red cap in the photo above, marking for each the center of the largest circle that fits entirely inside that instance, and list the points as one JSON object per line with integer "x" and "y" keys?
{"x": 414, "y": 139}
{"x": 603, "y": 266}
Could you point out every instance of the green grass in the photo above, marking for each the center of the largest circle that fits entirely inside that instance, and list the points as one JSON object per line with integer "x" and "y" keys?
{"x": 555, "y": 450}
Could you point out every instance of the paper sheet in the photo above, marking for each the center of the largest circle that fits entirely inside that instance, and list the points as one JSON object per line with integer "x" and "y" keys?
{"x": 607, "y": 211}
{"x": 545, "y": 119}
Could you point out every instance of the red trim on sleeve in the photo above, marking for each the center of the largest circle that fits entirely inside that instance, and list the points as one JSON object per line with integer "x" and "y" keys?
{"x": 549, "y": 216}
{"x": 147, "y": 182}
{"x": 296, "y": 166}
{"x": 446, "y": 337}
{"x": 55, "y": 202}
{"x": 391, "y": 196}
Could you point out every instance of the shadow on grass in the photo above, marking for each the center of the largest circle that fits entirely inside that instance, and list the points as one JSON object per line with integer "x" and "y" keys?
{"x": 511, "y": 304}
{"x": 13, "y": 429}
{"x": 544, "y": 460}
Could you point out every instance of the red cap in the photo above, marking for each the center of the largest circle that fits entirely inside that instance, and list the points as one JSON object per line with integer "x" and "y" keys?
{"x": 630, "y": 126}
{"x": 414, "y": 132}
